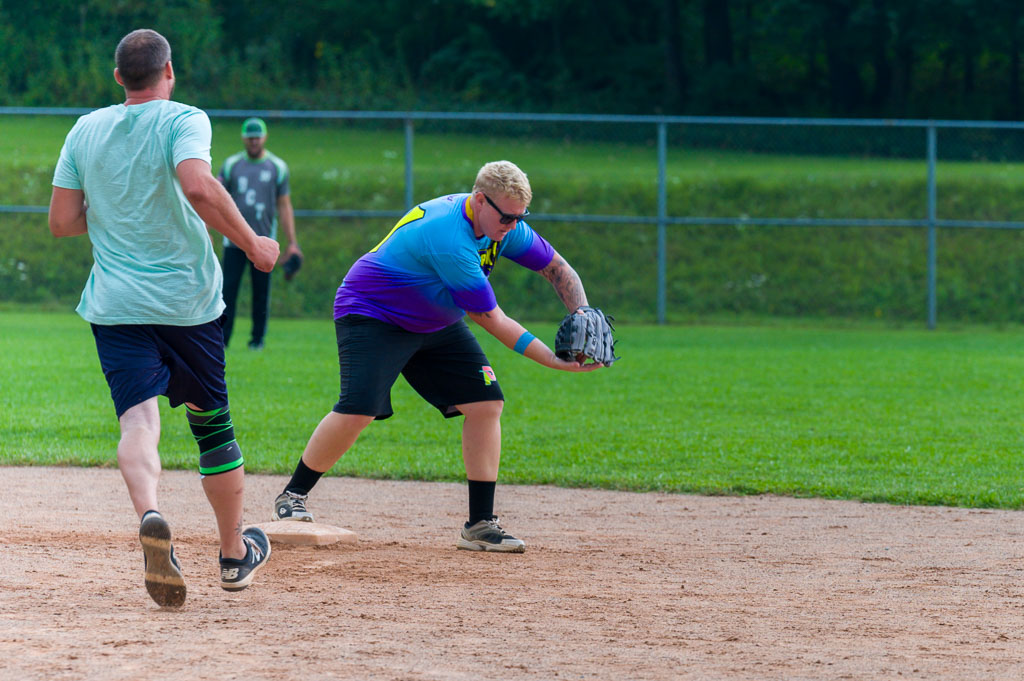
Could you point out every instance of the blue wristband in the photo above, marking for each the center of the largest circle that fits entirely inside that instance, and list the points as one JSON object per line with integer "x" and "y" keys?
{"x": 523, "y": 341}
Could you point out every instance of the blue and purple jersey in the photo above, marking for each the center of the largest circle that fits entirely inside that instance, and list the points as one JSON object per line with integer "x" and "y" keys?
{"x": 431, "y": 268}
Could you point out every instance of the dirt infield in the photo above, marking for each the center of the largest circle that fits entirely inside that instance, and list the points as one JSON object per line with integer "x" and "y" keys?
{"x": 612, "y": 586}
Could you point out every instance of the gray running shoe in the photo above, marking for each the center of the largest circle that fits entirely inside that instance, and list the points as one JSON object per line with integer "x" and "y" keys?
{"x": 164, "y": 581}
{"x": 487, "y": 535}
{"x": 291, "y": 506}
{"x": 236, "y": 574}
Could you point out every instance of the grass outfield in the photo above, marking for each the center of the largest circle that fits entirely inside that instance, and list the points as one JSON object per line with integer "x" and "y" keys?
{"x": 861, "y": 412}
{"x": 330, "y": 149}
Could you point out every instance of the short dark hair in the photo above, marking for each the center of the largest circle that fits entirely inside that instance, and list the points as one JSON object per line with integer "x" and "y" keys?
{"x": 140, "y": 58}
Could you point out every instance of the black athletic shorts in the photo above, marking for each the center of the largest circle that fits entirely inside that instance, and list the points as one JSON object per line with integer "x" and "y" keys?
{"x": 185, "y": 363}
{"x": 446, "y": 367}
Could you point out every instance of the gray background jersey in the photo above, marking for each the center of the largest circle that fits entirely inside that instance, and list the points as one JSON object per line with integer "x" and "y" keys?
{"x": 255, "y": 187}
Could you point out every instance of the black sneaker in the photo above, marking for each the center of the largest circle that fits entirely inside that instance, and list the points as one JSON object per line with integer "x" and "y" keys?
{"x": 235, "y": 573}
{"x": 291, "y": 506}
{"x": 487, "y": 535}
{"x": 164, "y": 581}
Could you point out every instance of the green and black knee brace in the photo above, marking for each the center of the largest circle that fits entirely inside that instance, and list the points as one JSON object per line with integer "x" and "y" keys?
{"x": 218, "y": 450}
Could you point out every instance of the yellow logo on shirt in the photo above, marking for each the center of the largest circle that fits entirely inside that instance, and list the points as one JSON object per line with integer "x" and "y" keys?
{"x": 489, "y": 256}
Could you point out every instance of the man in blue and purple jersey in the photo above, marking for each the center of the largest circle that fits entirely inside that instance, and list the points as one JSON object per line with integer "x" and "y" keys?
{"x": 400, "y": 310}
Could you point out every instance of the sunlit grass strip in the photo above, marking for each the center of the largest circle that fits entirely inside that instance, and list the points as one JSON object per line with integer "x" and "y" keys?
{"x": 860, "y": 412}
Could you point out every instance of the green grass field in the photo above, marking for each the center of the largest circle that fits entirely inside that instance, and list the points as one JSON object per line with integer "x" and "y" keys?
{"x": 864, "y": 411}
{"x": 861, "y": 412}
{"x": 333, "y": 148}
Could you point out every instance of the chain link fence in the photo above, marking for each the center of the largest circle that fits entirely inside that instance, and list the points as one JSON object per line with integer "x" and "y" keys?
{"x": 667, "y": 219}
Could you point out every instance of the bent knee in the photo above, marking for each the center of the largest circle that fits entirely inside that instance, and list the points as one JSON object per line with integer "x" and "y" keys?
{"x": 489, "y": 409}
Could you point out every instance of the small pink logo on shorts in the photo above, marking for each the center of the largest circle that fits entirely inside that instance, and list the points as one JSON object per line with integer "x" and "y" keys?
{"x": 489, "y": 376}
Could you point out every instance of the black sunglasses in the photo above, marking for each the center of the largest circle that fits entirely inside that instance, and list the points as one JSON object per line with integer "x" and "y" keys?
{"x": 506, "y": 218}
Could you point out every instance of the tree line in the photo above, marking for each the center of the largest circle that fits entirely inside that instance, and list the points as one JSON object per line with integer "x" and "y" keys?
{"x": 842, "y": 58}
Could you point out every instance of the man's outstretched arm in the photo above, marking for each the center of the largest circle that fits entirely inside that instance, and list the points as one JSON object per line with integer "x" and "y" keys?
{"x": 218, "y": 211}
{"x": 513, "y": 335}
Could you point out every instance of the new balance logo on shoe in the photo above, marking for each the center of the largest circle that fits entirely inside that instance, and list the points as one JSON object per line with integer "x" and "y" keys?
{"x": 237, "y": 573}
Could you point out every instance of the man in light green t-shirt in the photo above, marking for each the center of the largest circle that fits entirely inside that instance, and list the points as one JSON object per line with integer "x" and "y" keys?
{"x": 135, "y": 177}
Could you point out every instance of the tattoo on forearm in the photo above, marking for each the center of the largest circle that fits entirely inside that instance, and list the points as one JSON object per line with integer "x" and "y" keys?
{"x": 566, "y": 283}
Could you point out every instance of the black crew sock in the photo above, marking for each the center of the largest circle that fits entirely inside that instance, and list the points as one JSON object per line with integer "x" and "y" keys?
{"x": 481, "y": 501}
{"x": 303, "y": 479}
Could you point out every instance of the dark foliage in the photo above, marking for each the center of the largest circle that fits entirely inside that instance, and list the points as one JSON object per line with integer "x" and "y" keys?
{"x": 844, "y": 58}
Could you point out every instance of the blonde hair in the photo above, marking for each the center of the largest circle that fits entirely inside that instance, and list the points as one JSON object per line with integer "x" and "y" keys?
{"x": 504, "y": 179}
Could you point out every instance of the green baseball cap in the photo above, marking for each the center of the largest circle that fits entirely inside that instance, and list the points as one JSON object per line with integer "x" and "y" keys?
{"x": 254, "y": 127}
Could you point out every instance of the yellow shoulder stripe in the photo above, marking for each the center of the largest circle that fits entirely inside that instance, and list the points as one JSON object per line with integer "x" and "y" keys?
{"x": 413, "y": 215}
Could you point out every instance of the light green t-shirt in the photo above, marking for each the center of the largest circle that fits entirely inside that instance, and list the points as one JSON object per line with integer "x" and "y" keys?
{"x": 153, "y": 259}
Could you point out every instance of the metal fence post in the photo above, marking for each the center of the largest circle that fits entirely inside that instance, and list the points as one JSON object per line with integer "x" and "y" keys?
{"x": 662, "y": 215}
{"x": 662, "y": 219}
{"x": 932, "y": 247}
{"x": 408, "y": 164}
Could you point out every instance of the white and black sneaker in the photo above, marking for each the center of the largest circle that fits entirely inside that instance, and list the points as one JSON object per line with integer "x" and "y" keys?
{"x": 291, "y": 506}
{"x": 238, "y": 573}
{"x": 164, "y": 581}
{"x": 487, "y": 535}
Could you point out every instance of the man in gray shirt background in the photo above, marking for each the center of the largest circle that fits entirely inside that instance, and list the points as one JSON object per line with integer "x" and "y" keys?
{"x": 257, "y": 180}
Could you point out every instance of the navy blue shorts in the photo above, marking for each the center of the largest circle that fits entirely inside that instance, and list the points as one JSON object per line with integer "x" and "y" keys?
{"x": 185, "y": 363}
{"x": 446, "y": 367}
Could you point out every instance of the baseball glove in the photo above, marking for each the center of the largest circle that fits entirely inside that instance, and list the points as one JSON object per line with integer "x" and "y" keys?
{"x": 291, "y": 266}
{"x": 587, "y": 332}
